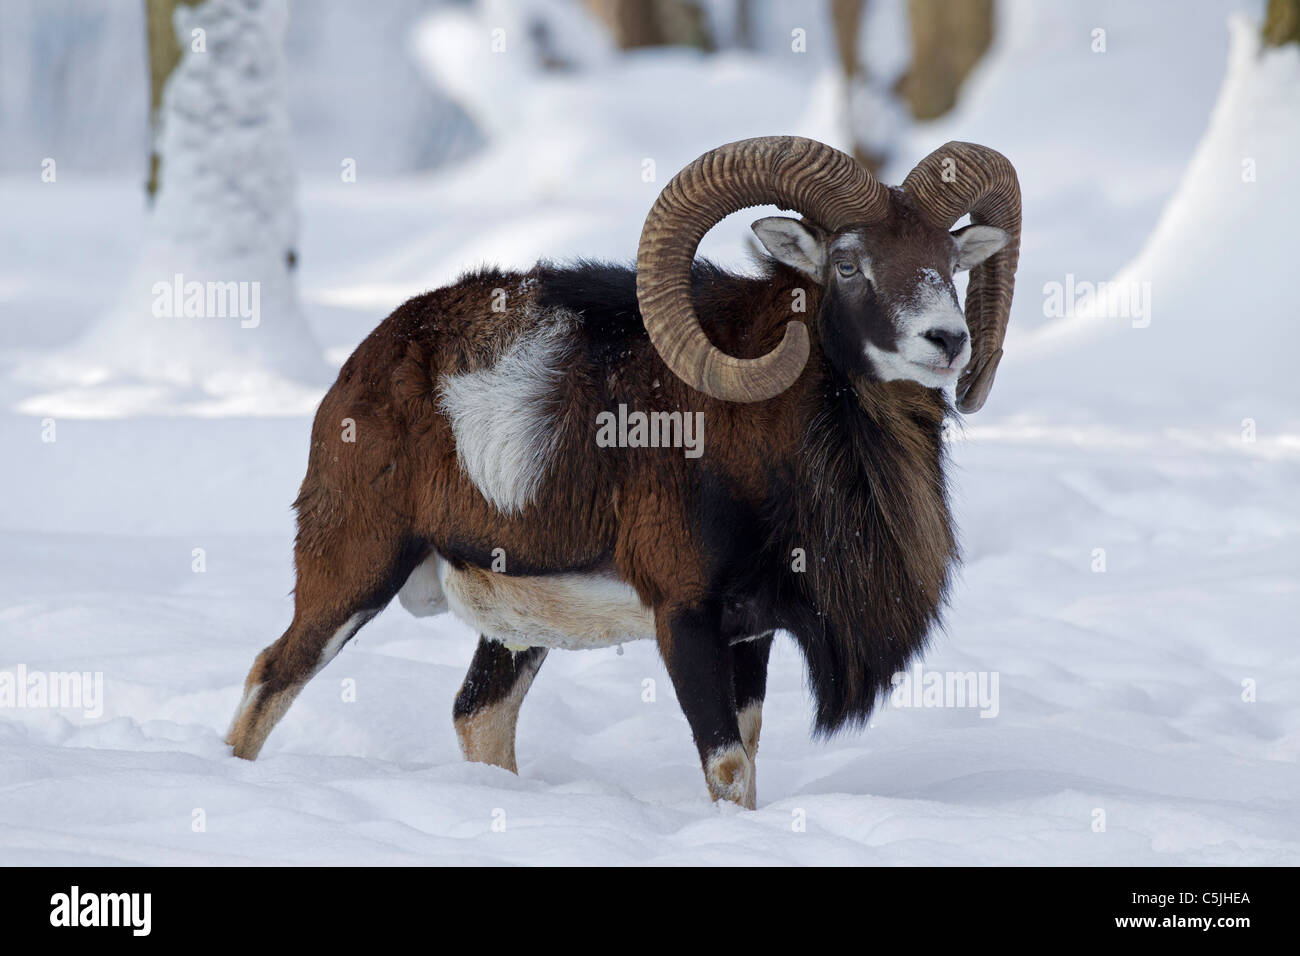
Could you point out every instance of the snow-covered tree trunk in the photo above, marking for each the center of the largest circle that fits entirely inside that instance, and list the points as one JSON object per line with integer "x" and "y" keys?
{"x": 860, "y": 98}
{"x": 1207, "y": 300}
{"x": 210, "y": 320}
{"x": 164, "y": 55}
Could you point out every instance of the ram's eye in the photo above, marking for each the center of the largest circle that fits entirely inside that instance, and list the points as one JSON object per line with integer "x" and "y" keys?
{"x": 846, "y": 269}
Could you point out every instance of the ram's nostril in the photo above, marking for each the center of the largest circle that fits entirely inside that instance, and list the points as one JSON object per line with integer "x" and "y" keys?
{"x": 950, "y": 341}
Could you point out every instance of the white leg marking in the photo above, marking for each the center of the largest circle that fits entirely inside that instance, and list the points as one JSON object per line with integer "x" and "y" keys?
{"x": 247, "y": 734}
{"x": 730, "y": 775}
{"x": 751, "y": 722}
{"x": 250, "y": 695}
{"x": 488, "y": 734}
{"x": 339, "y": 638}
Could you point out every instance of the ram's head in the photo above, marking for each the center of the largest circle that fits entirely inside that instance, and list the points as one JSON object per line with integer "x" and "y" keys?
{"x": 883, "y": 257}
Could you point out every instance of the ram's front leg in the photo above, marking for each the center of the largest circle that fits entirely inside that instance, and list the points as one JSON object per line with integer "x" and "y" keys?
{"x": 701, "y": 666}
{"x": 750, "y": 659}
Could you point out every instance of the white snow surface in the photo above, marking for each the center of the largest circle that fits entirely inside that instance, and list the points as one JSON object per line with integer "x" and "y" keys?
{"x": 1147, "y": 713}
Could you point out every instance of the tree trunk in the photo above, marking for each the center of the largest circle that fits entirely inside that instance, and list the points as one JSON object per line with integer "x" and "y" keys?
{"x": 1282, "y": 22}
{"x": 846, "y": 16}
{"x": 639, "y": 23}
{"x": 164, "y": 54}
{"x": 745, "y": 24}
{"x": 948, "y": 39}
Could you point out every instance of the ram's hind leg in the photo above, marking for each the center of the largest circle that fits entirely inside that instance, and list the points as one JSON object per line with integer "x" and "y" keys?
{"x": 750, "y": 676}
{"x": 487, "y": 707}
{"x": 349, "y": 568}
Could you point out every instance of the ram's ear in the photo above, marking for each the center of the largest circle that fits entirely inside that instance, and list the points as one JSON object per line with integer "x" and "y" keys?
{"x": 975, "y": 244}
{"x": 798, "y": 244}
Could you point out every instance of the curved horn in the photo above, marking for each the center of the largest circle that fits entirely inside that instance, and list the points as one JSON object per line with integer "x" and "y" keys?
{"x": 821, "y": 183}
{"x": 960, "y": 178}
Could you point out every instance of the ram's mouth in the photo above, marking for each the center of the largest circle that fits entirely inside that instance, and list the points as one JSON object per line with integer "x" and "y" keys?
{"x": 942, "y": 371}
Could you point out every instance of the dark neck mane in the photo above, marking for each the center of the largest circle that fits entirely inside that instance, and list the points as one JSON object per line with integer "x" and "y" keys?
{"x": 870, "y": 509}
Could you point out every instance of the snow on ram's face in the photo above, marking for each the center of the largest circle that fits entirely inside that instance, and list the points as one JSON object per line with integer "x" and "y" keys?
{"x": 924, "y": 333}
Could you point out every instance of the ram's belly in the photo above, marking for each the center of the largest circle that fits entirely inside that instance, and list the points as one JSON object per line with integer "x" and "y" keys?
{"x": 571, "y": 611}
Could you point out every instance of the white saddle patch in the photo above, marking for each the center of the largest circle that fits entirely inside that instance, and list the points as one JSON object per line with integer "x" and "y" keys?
{"x": 571, "y": 611}
{"x": 503, "y": 417}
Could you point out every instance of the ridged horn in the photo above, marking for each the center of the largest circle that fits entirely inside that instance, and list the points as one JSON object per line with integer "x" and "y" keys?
{"x": 961, "y": 178}
{"x": 822, "y": 184}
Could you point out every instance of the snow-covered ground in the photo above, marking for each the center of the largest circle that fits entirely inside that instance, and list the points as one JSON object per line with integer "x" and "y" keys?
{"x": 1127, "y": 502}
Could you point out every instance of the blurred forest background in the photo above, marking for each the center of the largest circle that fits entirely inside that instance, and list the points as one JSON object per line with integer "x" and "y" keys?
{"x": 74, "y": 84}
{"x": 514, "y": 129}
{"x": 75, "y": 79}
{"x": 1126, "y": 498}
